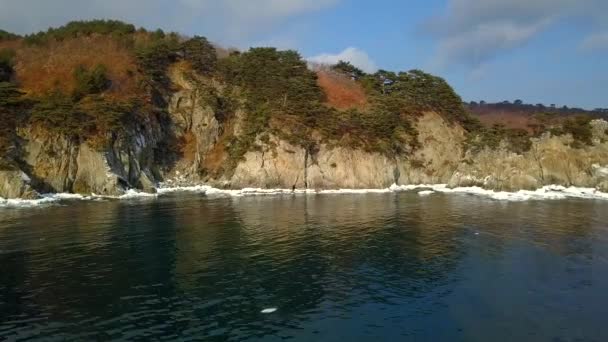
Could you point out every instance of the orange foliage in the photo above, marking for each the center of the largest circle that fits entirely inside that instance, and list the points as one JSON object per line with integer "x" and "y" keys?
{"x": 40, "y": 69}
{"x": 342, "y": 92}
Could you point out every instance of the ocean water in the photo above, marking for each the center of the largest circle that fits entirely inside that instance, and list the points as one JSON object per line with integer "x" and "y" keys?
{"x": 392, "y": 266}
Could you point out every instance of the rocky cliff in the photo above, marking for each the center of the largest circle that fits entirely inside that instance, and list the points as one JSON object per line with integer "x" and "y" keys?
{"x": 188, "y": 146}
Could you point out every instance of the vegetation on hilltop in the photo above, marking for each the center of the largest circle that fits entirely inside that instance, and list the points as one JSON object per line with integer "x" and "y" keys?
{"x": 77, "y": 29}
{"x": 4, "y": 35}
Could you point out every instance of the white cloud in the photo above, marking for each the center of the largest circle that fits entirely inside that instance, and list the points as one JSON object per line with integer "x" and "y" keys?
{"x": 480, "y": 44}
{"x": 597, "y": 41}
{"x": 472, "y": 32}
{"x": 356, "y": 57}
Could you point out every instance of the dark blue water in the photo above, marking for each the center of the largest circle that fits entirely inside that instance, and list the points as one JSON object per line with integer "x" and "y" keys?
{"x": 384, "y": 267}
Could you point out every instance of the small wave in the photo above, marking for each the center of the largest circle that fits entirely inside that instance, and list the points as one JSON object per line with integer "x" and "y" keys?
{"x": 550, "y": 192}
{"x": 50, "y": 199}
{"x": 23, "y": 203}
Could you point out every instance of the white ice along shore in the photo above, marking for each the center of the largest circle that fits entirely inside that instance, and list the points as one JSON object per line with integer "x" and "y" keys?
{"x": 551, "y": 192}
{"x": 47, "y": 199}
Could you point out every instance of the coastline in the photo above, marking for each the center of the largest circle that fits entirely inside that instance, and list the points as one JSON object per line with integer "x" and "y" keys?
{"x": 549, "y": 192}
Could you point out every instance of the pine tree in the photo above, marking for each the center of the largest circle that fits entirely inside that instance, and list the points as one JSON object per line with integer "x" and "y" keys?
{"x": 201, "y": 54}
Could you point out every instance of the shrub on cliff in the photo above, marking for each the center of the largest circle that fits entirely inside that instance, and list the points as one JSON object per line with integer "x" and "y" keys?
{"x": 85, "y": 119}
{"x": 12, "y": 106}
{"x": 200, "y": 53}
{"x": 7, "y": 62}
{"x": 57, "y": 112}
{"x": 580, "y": 129}
{"x": 517, "y": 140}
{"x": 415, "y": 92}
{"x": 348, "y": 69}
{"x": 275, "y": 84}
{"x": 155, "y": 57}
{"x": 89, "y": 82}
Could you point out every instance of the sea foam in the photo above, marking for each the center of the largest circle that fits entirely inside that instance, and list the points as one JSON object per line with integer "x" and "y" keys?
{"x": 550, "y": 192}
{"x": 50, "y": 199}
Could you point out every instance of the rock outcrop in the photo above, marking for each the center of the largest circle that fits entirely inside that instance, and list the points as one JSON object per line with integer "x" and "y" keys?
{"x": 16, "y": 184}
{"x": 551, "y": 160}
{"x": 188, "y": 147}
{"x": 282, "y": 165}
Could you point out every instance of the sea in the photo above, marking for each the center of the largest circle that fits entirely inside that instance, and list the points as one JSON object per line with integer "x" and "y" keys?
{"x": 418, "y": 263}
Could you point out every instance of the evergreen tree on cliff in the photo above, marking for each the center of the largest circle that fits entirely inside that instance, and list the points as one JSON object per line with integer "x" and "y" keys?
{"x": 201, "y": 54}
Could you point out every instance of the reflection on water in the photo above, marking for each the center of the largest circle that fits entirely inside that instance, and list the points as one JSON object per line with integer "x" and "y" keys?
{"x": 354, "y": 267}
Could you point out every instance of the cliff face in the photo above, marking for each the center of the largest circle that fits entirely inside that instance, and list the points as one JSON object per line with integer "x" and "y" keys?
{"x": 282, "y": 165}
{"x": 189, "y": 147}
{"x": 58, "y": 164}
{"x": 551, "y": 160}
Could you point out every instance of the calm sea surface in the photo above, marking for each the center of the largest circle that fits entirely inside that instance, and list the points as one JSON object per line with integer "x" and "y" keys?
{"x": 377, "y": 267}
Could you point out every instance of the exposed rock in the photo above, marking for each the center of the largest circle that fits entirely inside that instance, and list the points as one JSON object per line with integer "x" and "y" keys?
{"x": 193, "y": 122}
{"x": 191, "y": 136}
{"x": 343, "y": 168}
{"x": 277, "y": 165}
{"x": 282, "y": 165}
{"x": 440, "y": 153}
{"x": 16, "y": 184}
{"x": 551, "y": 160}
{"x": 603, "y": 186}
{"x": 599, "y": 129}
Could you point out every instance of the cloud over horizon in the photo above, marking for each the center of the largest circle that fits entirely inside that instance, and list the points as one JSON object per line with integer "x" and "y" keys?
{"x": 230, "y": 20}
{"x": 472, "y": 32}
{"x": 355, "y": 56}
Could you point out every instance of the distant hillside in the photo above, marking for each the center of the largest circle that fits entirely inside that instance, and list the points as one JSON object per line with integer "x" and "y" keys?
{"x": 517, "y": 114}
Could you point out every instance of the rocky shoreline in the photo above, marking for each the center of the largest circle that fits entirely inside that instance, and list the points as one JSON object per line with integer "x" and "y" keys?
{"x": 54, "y": 164}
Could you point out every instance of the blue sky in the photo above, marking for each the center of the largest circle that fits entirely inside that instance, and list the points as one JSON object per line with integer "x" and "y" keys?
{"x": 540, "y": 51}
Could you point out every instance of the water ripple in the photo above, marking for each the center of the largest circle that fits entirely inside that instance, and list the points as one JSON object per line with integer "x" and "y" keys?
{"x": 378, "y": 266}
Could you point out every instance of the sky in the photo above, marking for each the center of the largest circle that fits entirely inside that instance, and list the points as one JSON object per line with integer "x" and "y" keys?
{"x": 539, "y": 51}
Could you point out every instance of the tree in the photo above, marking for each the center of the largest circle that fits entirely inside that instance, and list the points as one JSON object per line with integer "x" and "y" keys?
{"x": 6, "y": 64}
{"x": 90, "y": 82}
{"x": 4, "y": 35}
{"x": 580, "y": 129}
{"x": 518, "y": 102}
{"x": 81, "y": 28}
{"x": 155, "y": 58}
{"x": 11, "y": 104}
{"x": 348, "y": 69}
{"x": 201, "y": 54}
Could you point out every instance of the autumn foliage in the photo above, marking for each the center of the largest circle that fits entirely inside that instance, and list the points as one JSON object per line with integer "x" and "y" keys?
{"x": 341, "y": 91}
